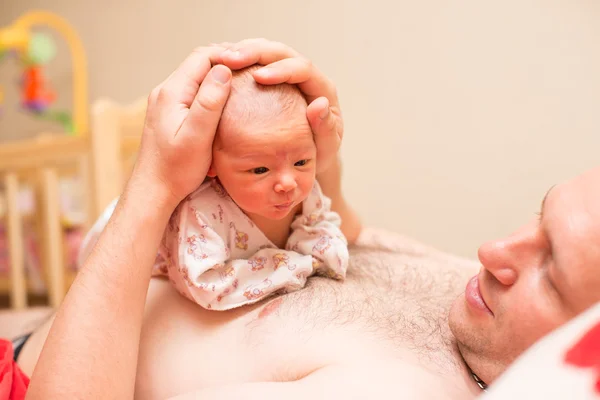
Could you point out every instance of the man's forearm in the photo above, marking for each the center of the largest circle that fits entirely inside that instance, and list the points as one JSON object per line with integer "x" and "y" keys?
{"x": 331, "y": 185}
{"x": 98, "y": 356}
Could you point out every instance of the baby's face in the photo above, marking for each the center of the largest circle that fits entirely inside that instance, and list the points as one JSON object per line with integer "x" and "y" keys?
{"x": 267, "y": 167}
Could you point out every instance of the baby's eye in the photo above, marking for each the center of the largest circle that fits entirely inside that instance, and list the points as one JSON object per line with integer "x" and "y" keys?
{"x": 260, "y": 170}
{"x": 301, "y": 163}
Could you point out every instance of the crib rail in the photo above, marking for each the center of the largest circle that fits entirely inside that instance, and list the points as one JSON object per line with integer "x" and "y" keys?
{"x": 102, "y": 160}
{"x": 32, "y": 154}
{"x": 40, "y": 162}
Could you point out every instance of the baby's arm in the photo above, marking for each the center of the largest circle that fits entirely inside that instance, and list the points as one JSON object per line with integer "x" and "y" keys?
{"x": 203, "y": 273}
{"x": 317, "y": 232}
{"x": 200, "y": 265}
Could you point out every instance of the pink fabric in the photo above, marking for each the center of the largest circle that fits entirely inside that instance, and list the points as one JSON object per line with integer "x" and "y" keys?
{"x": 215, "y": 256}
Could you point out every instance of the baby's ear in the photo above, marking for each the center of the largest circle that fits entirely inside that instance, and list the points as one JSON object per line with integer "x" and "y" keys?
{"x": 211, "y": 172}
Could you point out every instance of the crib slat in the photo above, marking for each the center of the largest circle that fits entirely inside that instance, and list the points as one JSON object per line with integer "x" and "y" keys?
{"x": 52, "y": 237}
{"x": 86, "y": 187}
{"x": 106, "y": 155}
{"x": 15, "y": 242}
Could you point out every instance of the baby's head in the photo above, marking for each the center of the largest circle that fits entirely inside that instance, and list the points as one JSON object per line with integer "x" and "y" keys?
{"x": 264, "y": 153}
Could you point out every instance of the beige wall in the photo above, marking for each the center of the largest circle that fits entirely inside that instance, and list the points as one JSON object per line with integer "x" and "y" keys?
{"x": 459, "y": 114}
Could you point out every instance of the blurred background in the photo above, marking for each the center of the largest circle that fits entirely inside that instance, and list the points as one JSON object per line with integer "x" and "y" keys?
{"x": 459, "y": 115}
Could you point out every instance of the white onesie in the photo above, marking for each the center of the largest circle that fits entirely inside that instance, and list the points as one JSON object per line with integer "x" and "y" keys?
{"x": 215, "y": 256}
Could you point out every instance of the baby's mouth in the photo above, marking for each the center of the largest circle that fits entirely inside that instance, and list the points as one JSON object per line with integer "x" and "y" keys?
{"x": 284, "y": 206}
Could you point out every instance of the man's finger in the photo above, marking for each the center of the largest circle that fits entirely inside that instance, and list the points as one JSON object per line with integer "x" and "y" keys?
{"x": 289, "y": 70}
{"x": 256, "y": 51}
{"x": 205, "y": 112}
{"x": 312, "y": 82}
{"x": 327, "y": 126}
{"x": 325, "y": 120}
{"x": 182, "y": 85}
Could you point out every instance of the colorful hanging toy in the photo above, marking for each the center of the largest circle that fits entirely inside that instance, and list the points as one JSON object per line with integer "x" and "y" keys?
{"x": 33, "y": 51}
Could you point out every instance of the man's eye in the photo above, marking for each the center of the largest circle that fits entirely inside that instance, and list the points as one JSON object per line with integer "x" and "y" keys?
{"x": 260, "y": 170}
{"x": 551, "y": 280}
{"x": 301, "y": 163}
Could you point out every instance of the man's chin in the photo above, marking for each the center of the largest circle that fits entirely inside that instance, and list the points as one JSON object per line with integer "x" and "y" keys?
{"x": 463, "y": 326}
{"x": 474, "y": 340}
{"x": 457, "y": 312}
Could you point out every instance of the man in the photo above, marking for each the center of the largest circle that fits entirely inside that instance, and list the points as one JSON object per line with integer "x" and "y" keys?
{"x": 384, "y": 330}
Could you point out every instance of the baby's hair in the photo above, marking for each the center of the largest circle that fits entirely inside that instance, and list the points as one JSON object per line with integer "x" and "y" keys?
{"x": 251, "y": 103}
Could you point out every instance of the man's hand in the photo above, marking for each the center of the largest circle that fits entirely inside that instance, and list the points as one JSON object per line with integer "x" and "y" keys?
{"x": 284, "y": 65}
{"x": 182, "y": 117}
{"x": 98, "y": 324}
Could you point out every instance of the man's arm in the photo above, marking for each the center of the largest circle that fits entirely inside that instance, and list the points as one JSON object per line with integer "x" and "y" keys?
{"x": 92, "y": 347}
{"x": 95, "y": 335}
{"x": 331, "y": 185}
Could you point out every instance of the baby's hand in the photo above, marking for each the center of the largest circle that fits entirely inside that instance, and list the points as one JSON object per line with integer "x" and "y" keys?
{"x": 181, "y": 120}
{"x": 283, "y": 64}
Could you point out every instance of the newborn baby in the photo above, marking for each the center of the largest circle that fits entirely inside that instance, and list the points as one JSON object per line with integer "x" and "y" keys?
{"x": 260, "y": 224}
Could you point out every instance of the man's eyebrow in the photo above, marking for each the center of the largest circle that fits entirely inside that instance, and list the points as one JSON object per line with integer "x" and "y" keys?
{"x": 544, "y": 202}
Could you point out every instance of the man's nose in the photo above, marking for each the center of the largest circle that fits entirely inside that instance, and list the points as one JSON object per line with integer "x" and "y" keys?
{"x": 506, "y": 258}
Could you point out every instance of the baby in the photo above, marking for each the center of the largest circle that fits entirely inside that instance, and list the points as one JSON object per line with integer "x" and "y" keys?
{"x": 259, "y": 224}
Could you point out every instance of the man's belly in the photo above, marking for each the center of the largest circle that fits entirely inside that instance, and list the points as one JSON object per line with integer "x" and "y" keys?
{"x": 185, "y": 348}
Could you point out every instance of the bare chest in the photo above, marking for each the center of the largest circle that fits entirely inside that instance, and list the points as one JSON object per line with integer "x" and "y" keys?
{"x": 394, "y": 303}
{"x": 397, "y": 302}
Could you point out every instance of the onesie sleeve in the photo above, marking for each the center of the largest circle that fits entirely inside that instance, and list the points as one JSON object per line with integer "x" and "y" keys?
{"x": 317, "y": 232}
{"x": 93, "y": 235}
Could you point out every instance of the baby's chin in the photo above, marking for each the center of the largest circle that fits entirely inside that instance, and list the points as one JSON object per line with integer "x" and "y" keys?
{"x": 279, "y": 213}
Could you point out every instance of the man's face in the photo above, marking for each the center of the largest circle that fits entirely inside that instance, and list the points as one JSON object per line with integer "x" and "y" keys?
{"x": 532, "y": 281}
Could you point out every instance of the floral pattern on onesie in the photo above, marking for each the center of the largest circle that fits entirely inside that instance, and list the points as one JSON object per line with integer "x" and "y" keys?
{"x": 215, "y": 255}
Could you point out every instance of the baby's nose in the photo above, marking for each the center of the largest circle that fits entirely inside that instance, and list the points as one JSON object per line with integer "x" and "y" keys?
{"x": 286, "y": 183}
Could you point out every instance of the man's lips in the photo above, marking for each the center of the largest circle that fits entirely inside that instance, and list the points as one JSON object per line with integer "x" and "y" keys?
{"x": 474, "y": 297}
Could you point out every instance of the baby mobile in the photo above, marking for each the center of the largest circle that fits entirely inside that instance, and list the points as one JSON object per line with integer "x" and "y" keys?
{"x": 33, "y": 51}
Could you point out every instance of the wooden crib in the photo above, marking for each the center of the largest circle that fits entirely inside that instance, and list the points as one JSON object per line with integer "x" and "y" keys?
{"x": 99, "y": 161}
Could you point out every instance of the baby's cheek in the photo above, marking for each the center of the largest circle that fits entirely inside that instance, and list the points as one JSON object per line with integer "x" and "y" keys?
{"x": 306, "y": 184}
{"x": 255, "y": 194}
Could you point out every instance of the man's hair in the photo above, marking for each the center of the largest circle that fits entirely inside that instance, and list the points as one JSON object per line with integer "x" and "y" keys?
{"x": 251, "y": 103}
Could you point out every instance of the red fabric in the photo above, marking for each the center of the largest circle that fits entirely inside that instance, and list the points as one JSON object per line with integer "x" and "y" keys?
{"x": 586, "y": 353}
{"x": 13, "y": 382}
